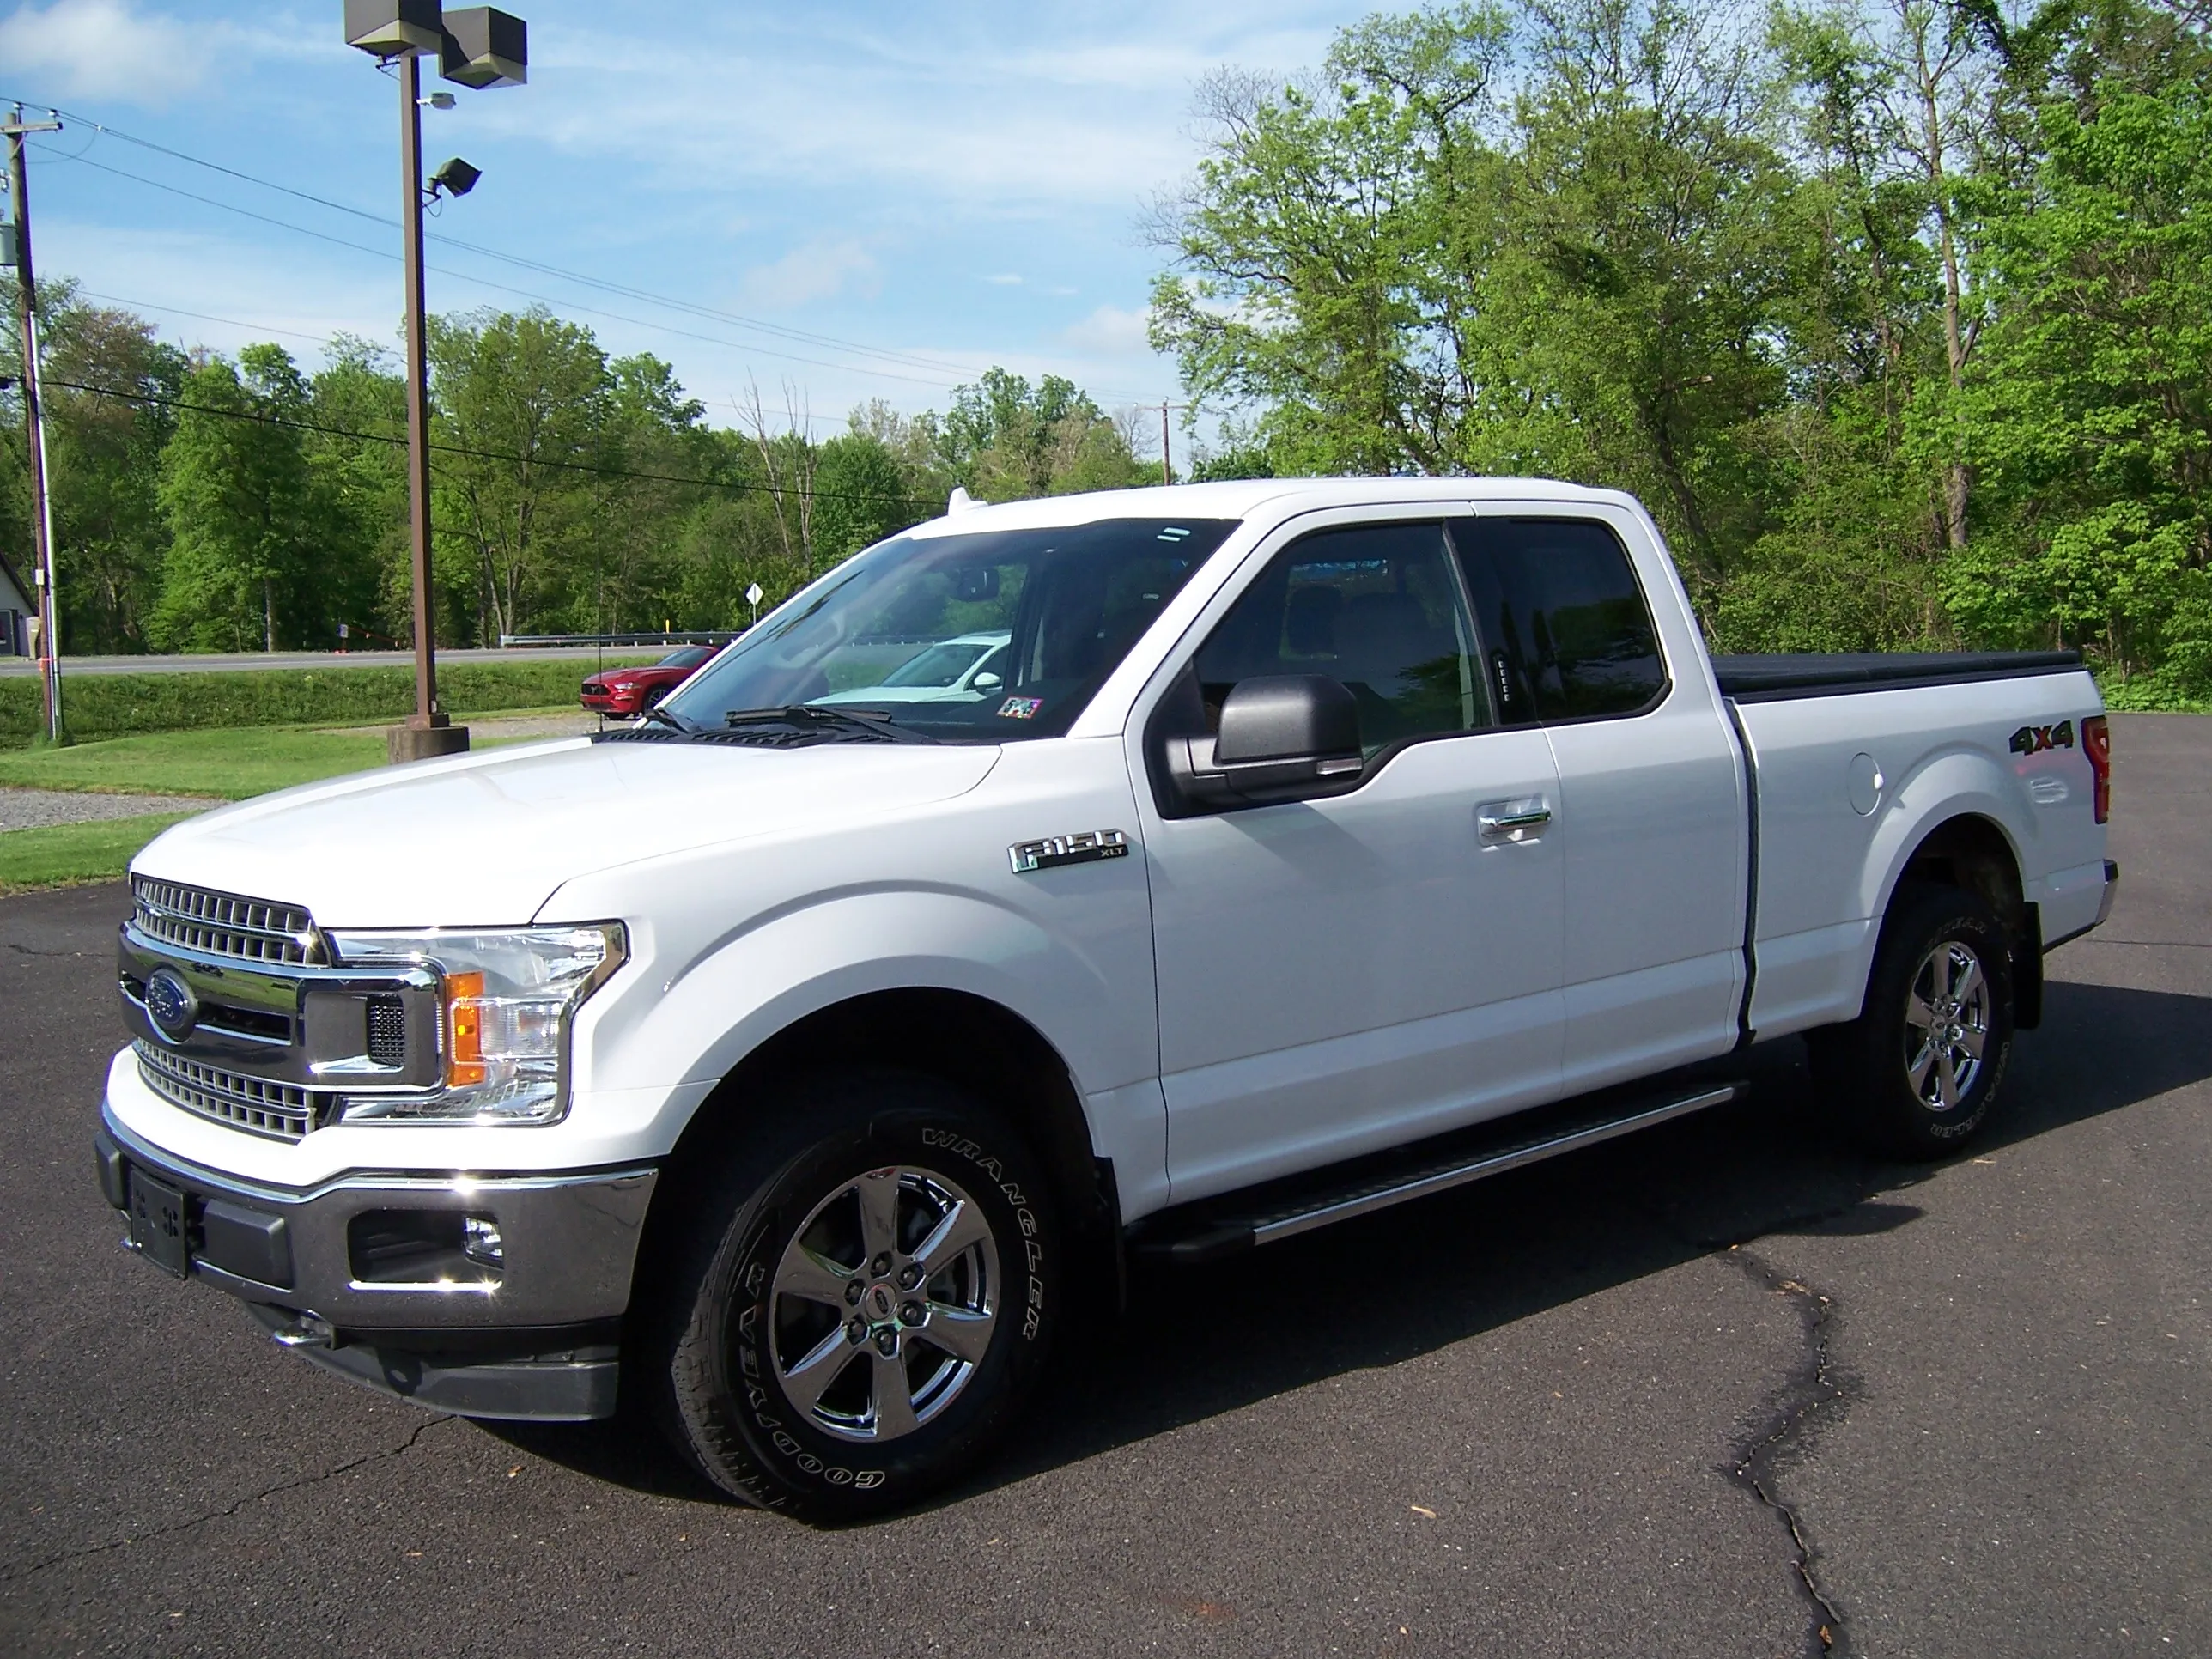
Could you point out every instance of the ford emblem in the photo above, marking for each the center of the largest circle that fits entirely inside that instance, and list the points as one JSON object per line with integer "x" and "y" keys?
{"x": 171, "y": 1005}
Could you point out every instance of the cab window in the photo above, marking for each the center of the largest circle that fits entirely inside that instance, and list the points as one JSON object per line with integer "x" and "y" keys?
{"x": 1377, "y": 607}
{"x": 1567, "y": 634}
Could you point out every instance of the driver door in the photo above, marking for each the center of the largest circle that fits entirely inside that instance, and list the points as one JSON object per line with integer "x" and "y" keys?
{"x": 1340, "y": 975}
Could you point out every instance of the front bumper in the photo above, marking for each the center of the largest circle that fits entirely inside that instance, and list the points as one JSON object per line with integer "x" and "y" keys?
{"x": 536, "y": 1337}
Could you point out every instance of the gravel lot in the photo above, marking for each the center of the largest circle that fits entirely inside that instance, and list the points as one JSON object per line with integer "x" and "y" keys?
{"x": 1723, "y": 1389}
{"x": 40, "y": 809}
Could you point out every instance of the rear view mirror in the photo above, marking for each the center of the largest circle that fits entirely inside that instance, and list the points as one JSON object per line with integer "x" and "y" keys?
{"x": 1283, "y": 737}
{"x": 979, "y": 583}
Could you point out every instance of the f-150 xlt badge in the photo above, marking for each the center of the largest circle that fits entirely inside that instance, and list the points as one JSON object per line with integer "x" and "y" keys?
{"x": 2034, "y": 740}
{"x": 1085, "y": 847}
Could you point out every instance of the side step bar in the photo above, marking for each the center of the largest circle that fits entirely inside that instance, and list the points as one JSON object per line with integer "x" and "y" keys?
{"x": 1223, "y": 1227}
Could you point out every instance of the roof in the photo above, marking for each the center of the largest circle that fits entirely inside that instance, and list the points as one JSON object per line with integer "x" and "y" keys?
{"x": 15, "y": 580}
{"x": 1240, "y": 498}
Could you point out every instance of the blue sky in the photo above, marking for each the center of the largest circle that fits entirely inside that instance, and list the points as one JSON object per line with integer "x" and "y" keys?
{"x": 953, "y": 186}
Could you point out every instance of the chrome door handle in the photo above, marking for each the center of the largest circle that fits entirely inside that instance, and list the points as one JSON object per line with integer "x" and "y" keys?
{"x": 1513, "y": 819}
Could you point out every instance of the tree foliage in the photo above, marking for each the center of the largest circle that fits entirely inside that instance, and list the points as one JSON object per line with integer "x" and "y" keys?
{"x": 1892, "y": 310}
{"x": 209, "y": 504}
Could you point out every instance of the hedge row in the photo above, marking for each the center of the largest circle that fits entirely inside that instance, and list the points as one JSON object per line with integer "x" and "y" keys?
{"x": 97, "y": 706}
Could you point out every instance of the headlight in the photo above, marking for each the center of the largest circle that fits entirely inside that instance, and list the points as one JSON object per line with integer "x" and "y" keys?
{"x": 505, "y": 1002}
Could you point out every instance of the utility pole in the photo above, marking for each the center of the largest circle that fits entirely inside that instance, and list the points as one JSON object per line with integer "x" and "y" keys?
{"x": 34, "y": 425}
{"x": 1167, "y": 471}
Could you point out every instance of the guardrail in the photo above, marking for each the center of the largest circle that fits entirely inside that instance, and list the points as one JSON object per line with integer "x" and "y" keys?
{"x": 695, "y": 636}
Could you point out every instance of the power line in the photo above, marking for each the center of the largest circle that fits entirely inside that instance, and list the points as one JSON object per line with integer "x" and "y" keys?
{"x": 757, "y": 324}
{"x": 776, "y": 330}
{"x": 323, "y": 340}
{"x": 259, "y": 418}
{"x": 504, "y": 287}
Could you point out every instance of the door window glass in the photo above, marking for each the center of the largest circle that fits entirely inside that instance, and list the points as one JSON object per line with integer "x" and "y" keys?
{"x": 1569, "y": 633}
{"x": 1377, "y": 607}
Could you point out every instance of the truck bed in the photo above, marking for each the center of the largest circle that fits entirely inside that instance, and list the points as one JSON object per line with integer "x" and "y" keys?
{"x": 1782, "y": 676}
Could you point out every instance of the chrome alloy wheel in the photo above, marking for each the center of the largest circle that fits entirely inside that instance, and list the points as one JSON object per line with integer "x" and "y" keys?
{"x": 1947, "y": 1021}
{"x": 884, "y": 1303}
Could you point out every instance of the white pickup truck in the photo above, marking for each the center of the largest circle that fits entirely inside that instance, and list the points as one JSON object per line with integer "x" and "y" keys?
{"x": 790, "y": 1063}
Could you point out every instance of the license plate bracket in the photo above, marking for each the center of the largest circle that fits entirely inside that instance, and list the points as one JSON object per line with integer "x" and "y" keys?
{"x": 160, "y": 1222}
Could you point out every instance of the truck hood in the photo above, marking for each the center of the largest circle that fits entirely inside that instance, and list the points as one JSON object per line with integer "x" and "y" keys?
{"x": 484, "y": 839}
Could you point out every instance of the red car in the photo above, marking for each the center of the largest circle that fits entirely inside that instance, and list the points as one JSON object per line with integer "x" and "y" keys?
{"x": 628, "y": 692}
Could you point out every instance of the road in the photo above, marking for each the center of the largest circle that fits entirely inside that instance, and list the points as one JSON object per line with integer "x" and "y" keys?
{"x": 1713, "y": 1391}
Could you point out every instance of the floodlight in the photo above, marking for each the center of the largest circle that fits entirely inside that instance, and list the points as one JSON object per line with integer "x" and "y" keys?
{"x": 456, "y": 178}
{"x": 485, "y": 47}
{"x": 394, "y": 28}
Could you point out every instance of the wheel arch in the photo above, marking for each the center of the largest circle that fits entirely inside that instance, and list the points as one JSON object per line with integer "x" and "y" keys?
{"x": 957, "y": 1037}
{"x": 1972, "y": 851}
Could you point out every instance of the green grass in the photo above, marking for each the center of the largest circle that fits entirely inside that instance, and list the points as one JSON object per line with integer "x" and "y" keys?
{"x": 98, "y": 707}
{"x": 66, "y": 854}
{"x": 229, "y": 764}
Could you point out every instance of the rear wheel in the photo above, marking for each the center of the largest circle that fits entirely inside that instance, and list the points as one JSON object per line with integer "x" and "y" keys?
{"x": 1917, "y": 1074}
{"x": 855, "y": 1319}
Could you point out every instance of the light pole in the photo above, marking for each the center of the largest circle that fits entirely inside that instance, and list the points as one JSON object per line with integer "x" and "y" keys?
{"x": 476, "y": 46}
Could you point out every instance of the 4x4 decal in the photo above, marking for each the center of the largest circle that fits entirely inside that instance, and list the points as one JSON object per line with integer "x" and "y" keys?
{"x": 2034, "y": 740}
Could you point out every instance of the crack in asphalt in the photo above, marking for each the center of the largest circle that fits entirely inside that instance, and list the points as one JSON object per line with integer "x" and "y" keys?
{"x": 22, "y": 1574}
{"x": 1811, "y": 1393}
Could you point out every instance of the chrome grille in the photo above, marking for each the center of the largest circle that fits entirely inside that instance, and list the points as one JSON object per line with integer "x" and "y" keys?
{"x": 224, "y": 924}
{"x": 284, "y": 1111}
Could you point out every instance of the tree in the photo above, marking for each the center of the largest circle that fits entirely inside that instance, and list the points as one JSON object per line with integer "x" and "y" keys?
{"x": 2091, "y": 408}
{"x": 528, "y": 475}
{"x": 244, "y": 562}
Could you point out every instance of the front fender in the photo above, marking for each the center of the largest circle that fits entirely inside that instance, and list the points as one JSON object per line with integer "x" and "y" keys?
{"x": 781, "y": 967}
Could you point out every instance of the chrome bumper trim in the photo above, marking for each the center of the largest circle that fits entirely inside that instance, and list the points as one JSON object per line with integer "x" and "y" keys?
{"x": 569, "y": 1240}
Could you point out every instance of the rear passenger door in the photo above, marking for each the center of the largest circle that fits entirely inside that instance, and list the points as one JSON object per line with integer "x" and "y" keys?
{"x": 1652, "y": 825}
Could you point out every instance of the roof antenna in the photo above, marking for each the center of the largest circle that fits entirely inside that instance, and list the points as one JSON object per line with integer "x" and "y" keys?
{"x": 961, "y": 502}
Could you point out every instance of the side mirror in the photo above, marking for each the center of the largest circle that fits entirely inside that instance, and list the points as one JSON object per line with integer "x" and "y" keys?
{"x": 986, "y": 681}
{"x": 1284, "y": 737}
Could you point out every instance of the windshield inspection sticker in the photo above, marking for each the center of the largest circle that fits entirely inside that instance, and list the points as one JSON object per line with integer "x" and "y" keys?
{"x": 1020, "y": 709}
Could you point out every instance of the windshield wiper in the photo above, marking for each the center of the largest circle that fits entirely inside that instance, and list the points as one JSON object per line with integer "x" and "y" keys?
{"x": 847, "y": 724}
{"x": 669, "y": 718}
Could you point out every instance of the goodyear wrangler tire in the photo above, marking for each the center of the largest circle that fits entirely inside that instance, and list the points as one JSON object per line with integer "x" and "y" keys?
{"x": 1917, "y": 1074}
{"x": 858, "y": 1317}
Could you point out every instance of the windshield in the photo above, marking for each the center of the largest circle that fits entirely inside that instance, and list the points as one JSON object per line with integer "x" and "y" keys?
{"x": 690, "y": 656}
{"x": 979, "y": 638}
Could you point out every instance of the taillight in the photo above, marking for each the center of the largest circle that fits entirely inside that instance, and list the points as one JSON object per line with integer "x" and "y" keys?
{"x": 2097, "y": 743}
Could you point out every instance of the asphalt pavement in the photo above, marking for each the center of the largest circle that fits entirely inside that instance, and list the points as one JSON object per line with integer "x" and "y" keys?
{"x": 1724, "y": 1388}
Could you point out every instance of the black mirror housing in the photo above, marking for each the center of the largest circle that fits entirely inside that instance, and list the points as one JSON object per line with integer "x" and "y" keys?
{"x": 1284, "y": 737}
{"x": 1287, "y": 717}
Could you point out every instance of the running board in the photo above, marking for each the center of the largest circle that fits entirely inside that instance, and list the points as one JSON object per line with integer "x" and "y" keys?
{"x": 1266, "y": 1215}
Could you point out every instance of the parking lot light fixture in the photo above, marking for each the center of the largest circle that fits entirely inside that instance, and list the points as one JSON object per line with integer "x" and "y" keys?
{"x": 485, "y": 47}
{"x": 476, "y": 46}
{"x": 394, "y": 28}
{"x": 456, "y": 178}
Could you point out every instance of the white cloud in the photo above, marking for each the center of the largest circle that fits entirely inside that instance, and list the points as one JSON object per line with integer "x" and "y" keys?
{"x": 1005, "y": 279}
{"x": 113, "y": 49}
{"x": 813, "y": 271}
{"x": 1109, "y": 332}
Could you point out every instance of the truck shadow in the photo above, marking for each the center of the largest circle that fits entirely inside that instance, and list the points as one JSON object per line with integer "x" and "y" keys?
{"x": 1197, "y": 1342}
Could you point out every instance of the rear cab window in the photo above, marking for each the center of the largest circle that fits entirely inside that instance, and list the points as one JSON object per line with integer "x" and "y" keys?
{"x": 1566, "y": 632}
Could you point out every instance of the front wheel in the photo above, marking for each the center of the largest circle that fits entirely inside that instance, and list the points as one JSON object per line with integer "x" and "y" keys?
{"x": 858, "y": 1318}
{"x": 1916, "y": 1075}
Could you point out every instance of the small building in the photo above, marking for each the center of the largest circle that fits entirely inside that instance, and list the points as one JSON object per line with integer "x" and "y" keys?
{"x": 16, "y": 611}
